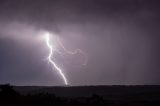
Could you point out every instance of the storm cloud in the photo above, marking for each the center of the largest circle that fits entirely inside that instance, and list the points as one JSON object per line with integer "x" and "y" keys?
{"x": 120, "y": 37}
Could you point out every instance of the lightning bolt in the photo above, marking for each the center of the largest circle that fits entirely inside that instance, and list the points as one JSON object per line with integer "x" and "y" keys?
{"x": 52, "y": 50}
{"x": 50, "y": 58}
{"x": 73, "y": 52}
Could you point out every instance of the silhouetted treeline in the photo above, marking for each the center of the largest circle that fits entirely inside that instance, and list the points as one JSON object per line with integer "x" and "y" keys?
{"x": 10, "y": 97}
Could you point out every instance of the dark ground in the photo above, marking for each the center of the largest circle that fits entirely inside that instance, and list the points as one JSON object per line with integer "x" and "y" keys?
{"x": 80, "y": 95}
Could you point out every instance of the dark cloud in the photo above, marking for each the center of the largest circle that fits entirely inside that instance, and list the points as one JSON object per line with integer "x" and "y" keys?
{"x": 120, "y": 37}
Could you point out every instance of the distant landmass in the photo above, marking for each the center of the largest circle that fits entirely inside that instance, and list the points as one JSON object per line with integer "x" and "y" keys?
{"x": 115, "y": 95}
{"x": 115, "y": 91}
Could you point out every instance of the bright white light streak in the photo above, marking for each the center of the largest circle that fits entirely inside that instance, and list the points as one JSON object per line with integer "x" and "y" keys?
{"x": 74, "y": 52}
{"x": 47, "y": 39}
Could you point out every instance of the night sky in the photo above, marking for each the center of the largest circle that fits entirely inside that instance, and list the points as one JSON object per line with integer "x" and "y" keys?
{"x": 121, "y": 39}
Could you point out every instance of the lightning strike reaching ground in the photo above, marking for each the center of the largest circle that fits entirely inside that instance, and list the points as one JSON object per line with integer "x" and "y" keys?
{"x": 52, "y": 50}
{"x": 50, "y": 58}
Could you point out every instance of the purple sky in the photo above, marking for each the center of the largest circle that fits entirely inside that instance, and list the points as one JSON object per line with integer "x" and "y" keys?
{"x": 120, "y": 37}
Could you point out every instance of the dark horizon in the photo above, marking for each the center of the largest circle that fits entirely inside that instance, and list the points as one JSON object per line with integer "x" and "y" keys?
{"x": 80, "y": 96}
